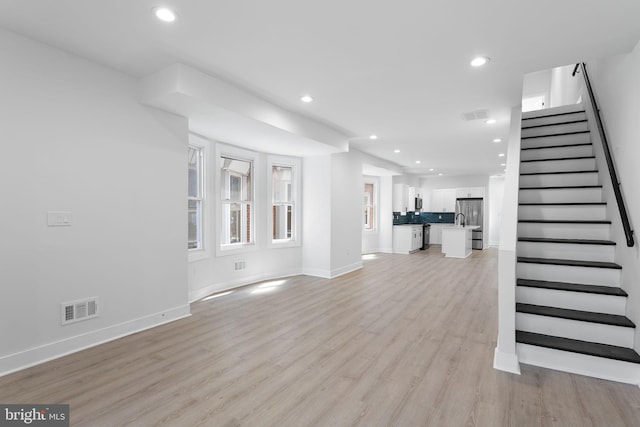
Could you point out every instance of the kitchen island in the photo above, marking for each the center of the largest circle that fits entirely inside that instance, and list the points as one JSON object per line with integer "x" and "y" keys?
{"x": 457, "y": 240}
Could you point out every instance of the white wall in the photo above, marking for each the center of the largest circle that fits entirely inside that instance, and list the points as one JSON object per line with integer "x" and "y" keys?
{"x": 75, "y": 138}
{"x": 536, "y": 84}
{"x": 316, "y": 216}
{"x": 565, "y": 89}
{"x": 505, "y": 356}
{"x": 495, "y": 199}
{"x": 616, "y": 82}
{"x": 347, "y": 185}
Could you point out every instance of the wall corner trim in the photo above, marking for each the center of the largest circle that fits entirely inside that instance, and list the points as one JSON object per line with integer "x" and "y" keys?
{"x": 507, "y": 362}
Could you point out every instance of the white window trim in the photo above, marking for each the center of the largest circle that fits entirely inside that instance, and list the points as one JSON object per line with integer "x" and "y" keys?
{"x": 296, "y": 182}
{"x": 376, "y": 218}
{"x": 224, "y": 150}
{"x": 205, "y": 251}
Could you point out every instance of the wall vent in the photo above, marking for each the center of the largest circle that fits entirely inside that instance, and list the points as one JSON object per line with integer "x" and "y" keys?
{"x": 476, "y": 115}
{"x": 75, "y": 311}
{"x": 239, "y": 265}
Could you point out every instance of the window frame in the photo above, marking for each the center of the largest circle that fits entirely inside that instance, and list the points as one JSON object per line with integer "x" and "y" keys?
{"x": 228, "y": 151}
{"x": 374, "y": 204}
{"x": 296, "y": 191}
{"x": 204, "y": 251}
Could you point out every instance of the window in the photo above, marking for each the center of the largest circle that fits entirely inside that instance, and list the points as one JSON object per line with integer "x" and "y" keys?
{"x": 236, "y": 183}
{"x": 284, "y": 186}
{"x": 195, "y": 199}
{"x": 369, "y": 222}
{"x": 282, "y": 202}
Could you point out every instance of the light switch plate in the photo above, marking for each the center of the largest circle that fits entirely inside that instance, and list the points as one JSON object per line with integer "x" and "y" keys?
{"x": 59, "y": 219}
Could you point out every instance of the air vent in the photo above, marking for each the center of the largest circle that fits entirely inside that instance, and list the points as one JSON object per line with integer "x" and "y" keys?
{"x": 79, "y": 310}
{"x": 476, "y": 115}
{"x": 239, "y": 265}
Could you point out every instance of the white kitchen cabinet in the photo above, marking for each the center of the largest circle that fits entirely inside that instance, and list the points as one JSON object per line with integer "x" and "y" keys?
{"x": 443, "y": 200}
{"x": 467, "y": 192}
{"x": 411, "y": 199}
{"x": 400, "y": 197}
{"x": 435, "y": 236}
{"x": 407, "y": 238}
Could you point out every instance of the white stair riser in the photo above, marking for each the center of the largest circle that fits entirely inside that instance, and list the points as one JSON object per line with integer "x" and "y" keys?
{"x": 564, "y": 231}
{"x": 554, "y": 119}
{"x": 549, "y": 141}
{"x": 558, "y": 166}
{"x": 578, "y": 252}
{"x": 569, "y": 274}
{"x": 561, "y": 195}
{"x": 572, "y": 300}
{"x": 569, "y": 108}
{"x": 556, "y": 153}
{"x": 565, "y": 212}
{"x": 581, "y": 364}
{"x": 555, "y": 129}
{"x": 558, "y": 180}
{"x": 575, "y": 329}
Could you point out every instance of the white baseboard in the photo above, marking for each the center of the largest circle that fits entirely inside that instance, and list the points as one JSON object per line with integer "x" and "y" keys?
{"x": 346, "y": 269}
{"x": 232, "y": 284}
{"x": 44, "y": 353}
{"x": 331, "y": 274}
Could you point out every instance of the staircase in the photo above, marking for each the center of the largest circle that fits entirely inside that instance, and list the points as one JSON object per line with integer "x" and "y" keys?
{"x": 570, "y": 310}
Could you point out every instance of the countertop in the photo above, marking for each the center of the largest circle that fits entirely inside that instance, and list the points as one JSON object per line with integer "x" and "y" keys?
{"x": 459, "y": 227}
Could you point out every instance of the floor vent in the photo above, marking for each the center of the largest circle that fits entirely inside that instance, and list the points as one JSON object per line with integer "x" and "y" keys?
{"x": 79, "y": 310}
{"x": 239, "y": 265}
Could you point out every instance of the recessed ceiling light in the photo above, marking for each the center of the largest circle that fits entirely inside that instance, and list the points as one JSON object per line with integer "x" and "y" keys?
{"x": 373, "y": 136}
{"x": 497, "y": 140}
{"x": 306, "y": 98}
{"x": 418, "y": 162}
{"x": 503, "y": 164}
{"x": 490, "y": 121}
{"x": 164, "y": 14}
{"x": 440, "y": 174}
{"x": 501, "y": 155}
{"x": 479, "y": 61}
{"x": 396, "y": 151}
{"x": 431, "y": 170}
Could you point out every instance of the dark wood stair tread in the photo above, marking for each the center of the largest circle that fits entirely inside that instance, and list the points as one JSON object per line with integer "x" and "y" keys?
{"x": 553, "y": 115}
{"x": 554, "y": 124}
{"x": 566, "y": 241}
{"x": 561, "y": 187}
{"x": 561, "y": 203}
{"x": 572, "y": 287}
{"x": 558, "y": 159}
{"x": 556, "y": 146}
{"x": 583, "y": 316}
{"x": 557, "y": 172}
{"x": 576, "y": 346}
{"x": 570, "y": 262}
{"x": 566, "y": 221}
{"x": 554, "y": 134}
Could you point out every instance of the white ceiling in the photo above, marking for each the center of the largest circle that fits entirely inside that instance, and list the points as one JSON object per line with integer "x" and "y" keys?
{"x": 397, "y": 69}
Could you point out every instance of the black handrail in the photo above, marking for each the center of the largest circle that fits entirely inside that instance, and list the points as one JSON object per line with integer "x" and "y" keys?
{"x": 626, "y": 225}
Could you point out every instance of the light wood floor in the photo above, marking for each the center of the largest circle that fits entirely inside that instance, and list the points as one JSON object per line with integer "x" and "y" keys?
{"x": 406, "y": 341}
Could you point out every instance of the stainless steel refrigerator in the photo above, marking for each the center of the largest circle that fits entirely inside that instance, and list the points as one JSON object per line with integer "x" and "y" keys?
{"x": 471, "y": 208}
